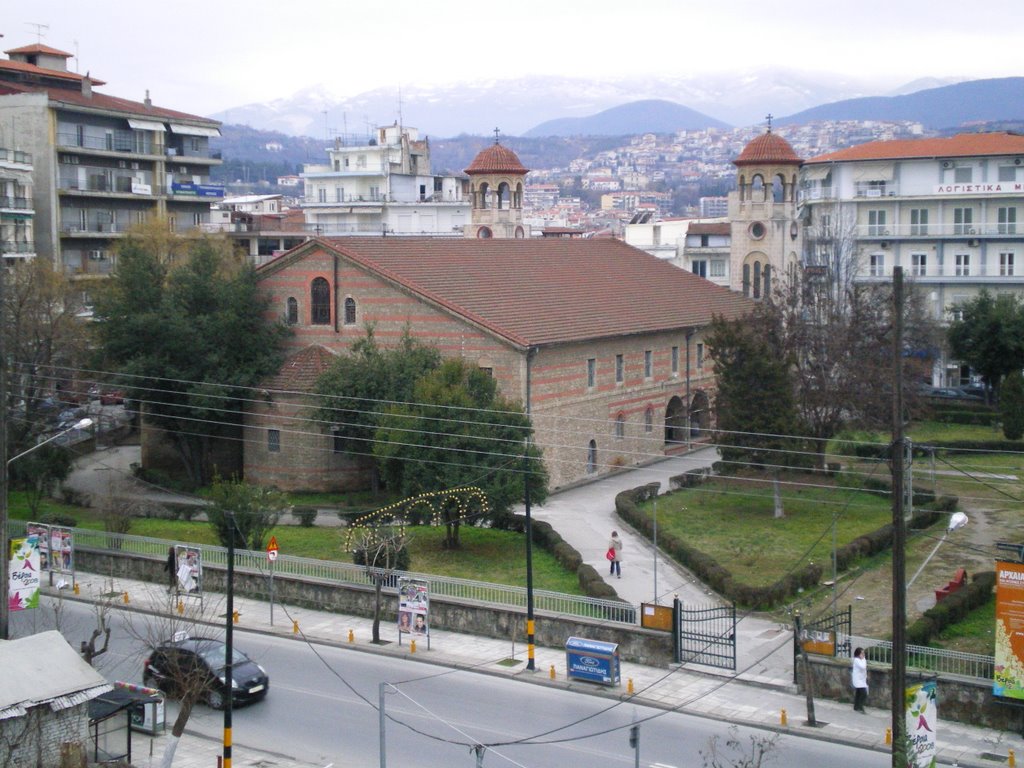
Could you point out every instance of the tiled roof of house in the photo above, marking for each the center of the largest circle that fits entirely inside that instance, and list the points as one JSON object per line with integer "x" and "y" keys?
{"x": 722, "y": 228}
{"x": 961, "y": 145}
{"x": 767, "y": 148}
{"x": 541, "y": 291}
{"x": 300, "y": 371}
{"x": 39, "y": 48}
{"x": 24, "y": 66}
{"x": 496, "y": 159}
{"x": 96, "y": 100}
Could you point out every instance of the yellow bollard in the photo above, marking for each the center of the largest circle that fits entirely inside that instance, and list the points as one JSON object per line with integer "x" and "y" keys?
{"x": 77, "y": 590}
{"x": 412, "y": 646}
{"x": 783, "y": 719}
{"x": 181, "y": 606}
{"x": 234, "y": 617}
{"x": 629, "y": 686}
{"x": 888, "y": 736}
{"x": 351, "y": 636}
{"x": 125, "y": 597}
{"x": 1011, "y": 759}
{"x": 551, "y": 673}
{"x": 295, "y": 626}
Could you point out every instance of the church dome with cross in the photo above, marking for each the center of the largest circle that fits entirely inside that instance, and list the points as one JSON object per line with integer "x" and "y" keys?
{"x": 496, "y": 182}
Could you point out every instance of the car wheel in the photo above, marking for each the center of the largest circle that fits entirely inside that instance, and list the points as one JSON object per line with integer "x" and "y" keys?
{"x": 215, "y": 699}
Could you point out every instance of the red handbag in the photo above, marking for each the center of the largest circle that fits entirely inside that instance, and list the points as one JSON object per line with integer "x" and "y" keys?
{"x": 610, "y": 554}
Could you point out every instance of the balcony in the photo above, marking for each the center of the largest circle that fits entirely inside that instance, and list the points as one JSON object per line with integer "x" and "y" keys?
{"x": 17, "y": 247}
{"x": 875, "y": 190}
{"x": 810, "y": 194}
{"x": 940, "y": 231}
{"x": 16, "y": 157}
{"x": 118, "y": 142}
{"x": 16, "y": 203}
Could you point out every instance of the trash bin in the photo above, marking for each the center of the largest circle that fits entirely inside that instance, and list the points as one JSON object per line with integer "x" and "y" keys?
{"x": 593, "y": 661}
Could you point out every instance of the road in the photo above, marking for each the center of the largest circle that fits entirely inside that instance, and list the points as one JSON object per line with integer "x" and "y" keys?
{"x": 322, "y": 708}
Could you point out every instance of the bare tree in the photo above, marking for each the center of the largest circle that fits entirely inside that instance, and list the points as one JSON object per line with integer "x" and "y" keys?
{"x": 733, "y": 753}
{"x": 382, "y": 549}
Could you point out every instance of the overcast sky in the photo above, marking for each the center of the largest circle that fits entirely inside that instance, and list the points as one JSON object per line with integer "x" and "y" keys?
{"x": 211, "y": 55}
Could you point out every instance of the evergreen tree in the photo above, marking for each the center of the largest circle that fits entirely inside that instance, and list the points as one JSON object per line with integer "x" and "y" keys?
{"x": 1011, "y": 406}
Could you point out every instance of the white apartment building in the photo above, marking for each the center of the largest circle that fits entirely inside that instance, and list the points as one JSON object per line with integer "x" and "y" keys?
{"x": 383, "y": 184}
{"x": 700, "y": 246}
{"x": 946, "y": 210}
{"x": 16, "y": 208}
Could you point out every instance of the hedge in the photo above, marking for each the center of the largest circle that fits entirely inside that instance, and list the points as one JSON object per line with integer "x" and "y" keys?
{"x": 720, "y": 579}
{"x": 952, "y": 608}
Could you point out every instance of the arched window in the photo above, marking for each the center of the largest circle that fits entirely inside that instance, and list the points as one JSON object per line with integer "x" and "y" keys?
{"x": 779, "y": 188}
{"x": 320, "y": 302}
{"x": 649, "y": 419}
{"x": 504, "y": 194}
{"x": 620, "y": 426}
{"x": 592, "y": 457}
{"x": 520, "y": 233}
{"x": 292, "y": 315}
{"x": 746, "y": 279}
{"x": 768, "y": 280}
{"x": 757, "y": 279}
{"x": 517, "y": 201}
{"x": 485, "y": 190}
{"x": 757, "y": 190}
{"x": 483, "y": 233}
{"x": 350, "y": 311}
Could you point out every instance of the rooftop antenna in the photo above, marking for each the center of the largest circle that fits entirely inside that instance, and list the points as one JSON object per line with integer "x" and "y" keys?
{"x": 39, "y": 30}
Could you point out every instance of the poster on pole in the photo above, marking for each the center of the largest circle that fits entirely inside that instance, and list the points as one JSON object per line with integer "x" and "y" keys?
{"x": 413, "y": 608}
{"x": 62, "y": 550}
{"x": 23, "y": 573}
{"x": 190, "y": 570}
{"x": 922, "y": 719}
{"x": 1009, "y": 657}
{"x": 42, "y": 532}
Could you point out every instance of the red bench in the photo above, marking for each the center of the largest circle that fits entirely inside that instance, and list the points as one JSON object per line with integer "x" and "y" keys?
{"x": 959, "y": 579}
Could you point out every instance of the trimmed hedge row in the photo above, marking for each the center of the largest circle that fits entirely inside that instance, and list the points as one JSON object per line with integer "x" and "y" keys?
{"x": 960, "y": 416}
{"x": 719, "y": 578}
{"x": 544, "y": 535}
{"x": 953, "y": 608}
{"x": 877, "y": 451}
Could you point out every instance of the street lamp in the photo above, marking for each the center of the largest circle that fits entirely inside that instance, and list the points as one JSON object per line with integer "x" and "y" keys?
{"x": 4, "y": 597}
{"x": 956, "y": 521}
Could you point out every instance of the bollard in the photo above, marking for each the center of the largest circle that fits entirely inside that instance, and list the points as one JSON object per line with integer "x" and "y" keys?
{"x": 888, "y": 736}
{"x": 181, "y": 606}
{"x": 783, "y": 720}
{"x": 1011, "y": 759}
{"x": 629, "y": 686}
{"x": 125, "y": 598}
{"x": 412, "y": 646}
{"x": 551, "y": 673}
{"x": 234, "y": 617}
{"x": 295, "y": 626}
{"x": 77, "y": 590}
{"x": 351, "y": 636}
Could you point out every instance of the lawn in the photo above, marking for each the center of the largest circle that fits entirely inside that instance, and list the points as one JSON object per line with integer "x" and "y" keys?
{"x": 732, "y": 520}
{"x": 486, "y": 555}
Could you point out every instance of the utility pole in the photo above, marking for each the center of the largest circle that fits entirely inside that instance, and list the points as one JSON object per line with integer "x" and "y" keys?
{"x": 5, "y": 607}
{"x": 899, "y": 566}
{"x": 530, "y": 663}
{"x": 229, "y": 650}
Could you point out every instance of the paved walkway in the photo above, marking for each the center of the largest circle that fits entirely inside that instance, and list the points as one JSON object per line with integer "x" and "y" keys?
{"x": 756, "y": 700}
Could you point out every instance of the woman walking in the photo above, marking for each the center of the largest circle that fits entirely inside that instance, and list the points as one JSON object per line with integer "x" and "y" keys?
{"x": 614, "y": 554}
{"x": 859, "y": 680}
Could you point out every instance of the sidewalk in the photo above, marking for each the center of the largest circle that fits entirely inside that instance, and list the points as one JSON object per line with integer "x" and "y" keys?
{"x": 750, "y": 698}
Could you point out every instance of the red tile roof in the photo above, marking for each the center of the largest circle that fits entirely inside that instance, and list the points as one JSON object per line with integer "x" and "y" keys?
{"x": 767, "y": 148}
{"x": 98, "y": 100}
{"x": 300, "y": 371}
{"x": 541, "y": 291}
{"x": 22, "y": 66}
{"x": 722, "y": 228}
{"x": 496, "y": 159}
{"x": 961, "y": 145}
{"x": 39, "y": 48}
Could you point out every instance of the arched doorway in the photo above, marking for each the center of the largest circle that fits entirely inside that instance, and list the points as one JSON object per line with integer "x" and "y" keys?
{"x": 592, "y": 457}
{"x": 700, "y": 414}
{"x": 675, "y": 421}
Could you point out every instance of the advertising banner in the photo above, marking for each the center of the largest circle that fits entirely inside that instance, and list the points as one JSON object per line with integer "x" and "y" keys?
{"x": 42, "y": 532}
{"x": 190, "y": 569}
{"x": 1009, "y": 657}
{"x": 23, "y": 572}
{"x": 922, "y": 719}
{"x": 62, "y": 550}
{"x": 414, "y": 607}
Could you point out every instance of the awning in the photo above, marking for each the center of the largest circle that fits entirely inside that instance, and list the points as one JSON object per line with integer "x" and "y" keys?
{"x": 873, "y": 172}
{"x": 146, "y": 125}
{"x": 194, "y": 130}
{"x": 816, "y": 172}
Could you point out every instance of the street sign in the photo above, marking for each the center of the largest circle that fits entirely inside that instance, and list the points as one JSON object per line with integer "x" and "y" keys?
{"x": 272, "y": 549}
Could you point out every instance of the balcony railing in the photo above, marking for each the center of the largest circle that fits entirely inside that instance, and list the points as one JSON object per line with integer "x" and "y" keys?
{"x": 16, "y": 203}
{"x": 15, "y": 156}
{"x": 941, "y": 230}
{"x": 17, "y": 247}
{"x": 876, "y": 190}
{"x": 118, "y": 141}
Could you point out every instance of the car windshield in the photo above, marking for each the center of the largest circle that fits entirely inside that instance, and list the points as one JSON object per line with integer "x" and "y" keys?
{"x": 214, "y": 654}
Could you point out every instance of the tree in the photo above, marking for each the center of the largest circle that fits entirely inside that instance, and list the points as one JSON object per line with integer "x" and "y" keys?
{"x": 188, "y": 336}
{"x": 245, "y": 512}
{"x": 354, "y": 394}
{"x": 39, "y": 472}
{"x": 988, "y": 335}
{"x": 1011, "y": 406}
{"x": 383, "y": 549}
{"x": 458, "y": 431}
{"x": 732, "y": 754}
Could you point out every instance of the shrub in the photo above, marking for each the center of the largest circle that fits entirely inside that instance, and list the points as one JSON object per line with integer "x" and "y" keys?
{"x": 1011, "y": 406}
{"x": 953, "y": 608}
{"x": 59, "y": 518}
{"x": 305, "y": 515}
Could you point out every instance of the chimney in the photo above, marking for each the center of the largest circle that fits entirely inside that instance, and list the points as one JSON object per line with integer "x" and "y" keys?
{"x": 148, "y": 102}
{"x": 87, "y": 86}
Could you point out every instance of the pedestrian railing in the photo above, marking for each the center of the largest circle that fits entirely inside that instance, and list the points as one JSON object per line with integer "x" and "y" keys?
{"x": 937, "y": 660}
{"x": 308, "y": 568}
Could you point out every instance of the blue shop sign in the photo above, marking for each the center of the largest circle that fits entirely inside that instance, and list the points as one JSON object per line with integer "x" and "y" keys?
{"x": 592, "y": 660}
{"x": 189, "y": 189}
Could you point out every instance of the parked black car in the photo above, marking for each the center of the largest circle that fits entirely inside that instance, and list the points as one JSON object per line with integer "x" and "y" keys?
{"x": 949, "y": 393}
{"x": 179, "y": 664}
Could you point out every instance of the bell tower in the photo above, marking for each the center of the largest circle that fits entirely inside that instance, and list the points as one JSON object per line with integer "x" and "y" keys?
{"x": 496, "y": 178}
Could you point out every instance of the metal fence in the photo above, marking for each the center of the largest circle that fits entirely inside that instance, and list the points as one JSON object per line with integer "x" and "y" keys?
{"x": 936, "y": 660}
{"x": 312, "y": 569}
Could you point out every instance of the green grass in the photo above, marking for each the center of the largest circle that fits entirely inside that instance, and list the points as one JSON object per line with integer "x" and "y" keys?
{"x": 732, "y": 520}
{"x": 975, "y": 634}
{"x": 485, "y": 555}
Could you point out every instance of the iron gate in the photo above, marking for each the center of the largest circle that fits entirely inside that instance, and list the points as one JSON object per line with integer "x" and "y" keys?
{"x": 828, "y": 635}
{"x": 705, "y": 635}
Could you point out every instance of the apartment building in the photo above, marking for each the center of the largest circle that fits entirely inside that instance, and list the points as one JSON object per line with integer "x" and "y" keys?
{"x": 944, "y": 209}
{"x": 382, "y": 185}
{"x": 101, "y": 163}
{"x": 16, "y": 208}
